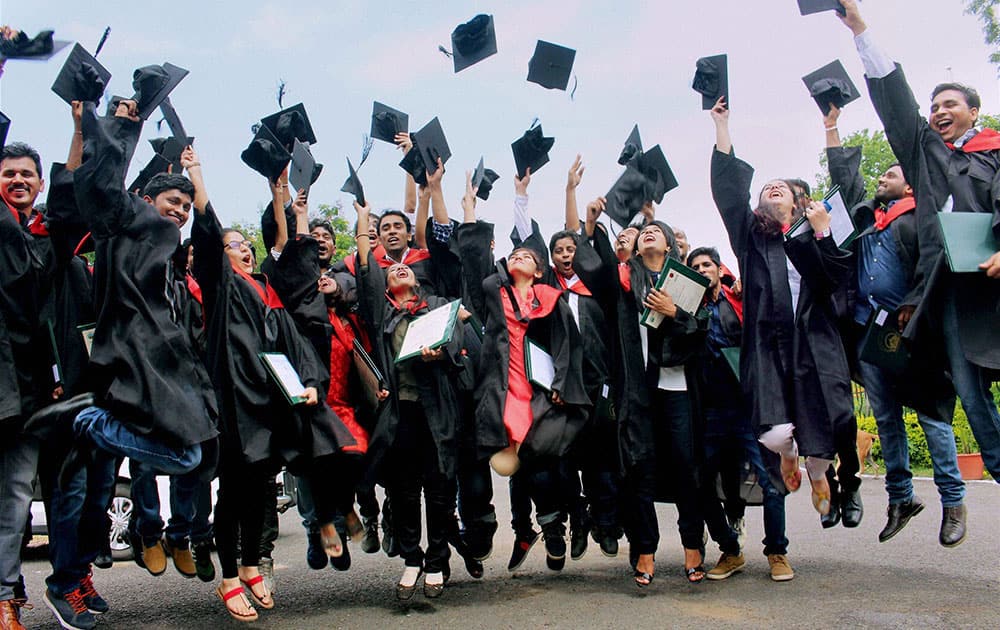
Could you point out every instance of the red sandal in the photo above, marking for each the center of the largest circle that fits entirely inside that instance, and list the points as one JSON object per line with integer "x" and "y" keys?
{"x": 236, "y": 592}
{"x": 252, "y": 582}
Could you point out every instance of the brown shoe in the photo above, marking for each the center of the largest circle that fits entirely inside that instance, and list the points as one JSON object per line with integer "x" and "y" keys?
{"x": 781, "y": 570}
{"x": 183, "y": 560}
{"x": 727, "y": 565}
{"x": 154, "y": 558}
{"x": 10, "y": 615}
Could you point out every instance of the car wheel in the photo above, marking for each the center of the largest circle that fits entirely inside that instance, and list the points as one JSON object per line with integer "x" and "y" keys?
{"x": 120, "y": 514}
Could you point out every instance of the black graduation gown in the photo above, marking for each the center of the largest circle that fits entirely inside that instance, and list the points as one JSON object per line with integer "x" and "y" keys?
{"x": 256, "y": 418}
{"x": 793, "y": 367}
{"x": 436, "y": 380}
{"x": 142, "y": 364}
{"x": 677, "y": 341}
{"x": 554, "y": 427}
{"x": 925, "y": 385}
{"x": 973, "y": 182}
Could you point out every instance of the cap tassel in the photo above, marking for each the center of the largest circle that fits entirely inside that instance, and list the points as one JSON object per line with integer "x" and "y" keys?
{"x": 447, "y": 54}
{"x": 572, "y": 94}
{"x": 104, "y": 39}
{"x": 281, "y": 93}
{"x": 366, "y": 148}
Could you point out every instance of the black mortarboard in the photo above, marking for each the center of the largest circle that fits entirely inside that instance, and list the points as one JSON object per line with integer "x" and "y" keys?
{"x": 82, "y": 77}
{"x": 4, "y": 128}
{"x": 37, "y": 48}
{"x": 807, "y": 7}
{"x": 431, "y": 144}
{"x": 353, "y": 185}
{"x": 414, "y": 165}
{"x": 531, "y": 150}
{"x": 387, "y": 122}
{"x": 633, "y": 147}
{"x": 483, "y": 179}
{"x": 157, "y": 165}
{"x": 170, "y": 149}
{"x": 711, "y": 80}
{"x": 290, "y": 124}
{"x": 173, "y": 120}
{"x": 266, "y": 155}
{"x": 627, "y": 196}
{"x": 551, "y": 65}
{"x": 653, "y": 164}
{"x": 152, "y": 84}
{"x": 473, "y": 41}
{"x": 303, "y": 172}
{"x": 831, "y": 84}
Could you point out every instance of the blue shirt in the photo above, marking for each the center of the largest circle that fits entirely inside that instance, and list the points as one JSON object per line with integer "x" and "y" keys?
{"x": 717, "y": 338}
{"x": 881, "y": 277}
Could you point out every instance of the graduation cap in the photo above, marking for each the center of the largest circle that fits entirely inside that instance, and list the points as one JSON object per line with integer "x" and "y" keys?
{"x": 551, "y": 65}
{"x": 4, "y": 128}
{"x": 38, "y": 48}
{"x": 353, "y": 184}
{"x": 305, "y": 171}
{"x": 483, "y": 179}
{"x": 653, "y": 165}
{"x": 531, "y": 150}
{"x": 157, "y": 165}
{"x": 429, "y": 144}
{"x": 711, "y": 80}
{"x": 633, "y": 147}
{"x": 473, "y": 41}
{"x": 808, "y": 7}
{"x": 266, "y": 154}
{"x": 82, "y": 77}
{"x": 170, "y": 149}
{"x": 414, "y": 165}
{"x": 289, "y": 125}
{"x": 387, "y": 122}
{"x": 627, "y": 196}
{"x": 831, "y": 84}
{"x": 152, "y": 84}
{"x": 173, "y": 120}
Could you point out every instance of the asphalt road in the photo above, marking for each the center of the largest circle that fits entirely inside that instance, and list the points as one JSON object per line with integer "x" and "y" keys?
{"x": 844, "y": 578}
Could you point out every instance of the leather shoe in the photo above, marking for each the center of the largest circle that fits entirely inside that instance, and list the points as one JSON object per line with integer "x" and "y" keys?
{"x": 899, "y": 515}
{"x": 831, "y": 518}
{"x": 851, "y": 508}
{"x": 952, "y": 526}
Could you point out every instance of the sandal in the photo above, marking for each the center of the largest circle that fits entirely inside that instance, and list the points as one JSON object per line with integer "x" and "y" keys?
{"x": 236, "y": 592}
{"x": 332, "y": 544}
{"x": 254, "y": 581}
{"x": 355, "y": 528}
{"x": 821, "y": 495}
{"x": 643, "y": 579}
{"x": 695, "y": 575}
{"x": 791, "y": 476}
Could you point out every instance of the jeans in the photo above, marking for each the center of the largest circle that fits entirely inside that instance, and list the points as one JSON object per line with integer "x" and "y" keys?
{"x": 18, "y": 461}
{"x": 973, "y": 388}
{"x": 111, "y": 435}
{"x": 895, "y": 449}
{"x": 305, "y": 504}
{"x": 146, "y": 503}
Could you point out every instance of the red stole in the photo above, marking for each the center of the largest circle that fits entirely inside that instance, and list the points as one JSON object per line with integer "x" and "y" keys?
{"x": 883, "y": 218}
{"x": 985, "y": 140}
{"x": 266, "y": 293}
{"x": 579, "y": 288}
{"x": 194, "y": 289}
{"x": 735, "y": 301}
{"x": 411, "y": 305}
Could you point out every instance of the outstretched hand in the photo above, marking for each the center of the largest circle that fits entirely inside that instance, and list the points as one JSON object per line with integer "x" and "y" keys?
{"x": 575, "y": 173}
{"x": 830, "y": 120}
{"x": 852, "y": 17}
{"x": 189, "y": 158}
{"x": 720, "y": 111}
{"x": 595, "y": 208}
{"x": 521, "y": 183}
{"x": 301, "y": 204}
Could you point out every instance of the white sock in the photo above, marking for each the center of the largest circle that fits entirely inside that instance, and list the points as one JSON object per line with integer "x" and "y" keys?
{"x": 410, "y": 575}
{"x": 816, "y": 467}
{"x": 779, "y": 439}
{"x": 434, "y": 579}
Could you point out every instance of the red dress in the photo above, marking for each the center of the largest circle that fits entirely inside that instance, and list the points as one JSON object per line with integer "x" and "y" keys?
{"x": 338, "y": 396}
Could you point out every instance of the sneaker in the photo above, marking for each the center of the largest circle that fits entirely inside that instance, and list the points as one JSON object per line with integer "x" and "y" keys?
{"x": 154, "y": 558}
{"x": 522, "y": 545}
{"x": 578, "y": 540}
{"x": 370, "y": 543}
{"x": 203, "y": 561}
{"x": 181, "y": 555}
{"x": 739, "y": 526}
{"x": 781, "y": 571}
{"x": 70, "y": 610}
{"x": 555, "y": 546}
{"x": 316, "y": 557}
{"x": 96, "y": 604}
{"x": 727, "y": 565}
{"x": 266, "y": 569}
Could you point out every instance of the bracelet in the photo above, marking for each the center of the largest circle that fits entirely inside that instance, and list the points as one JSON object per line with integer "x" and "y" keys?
{"x": 833, "y": 128}
{"x": 193, "y": 164}
{"x": 368, "y": 236}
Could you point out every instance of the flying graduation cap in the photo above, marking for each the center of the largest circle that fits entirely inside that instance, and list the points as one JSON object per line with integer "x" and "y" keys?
{"x": 483, "y": 179}
{"x": 647, "y": 177}
{"x": 157, "y": 165}
{"x": 531, "y": 150}
{"x": 429, "y": 144}
{"x": 711, "y": 80}
{"x": 289, "y": 125}
{"x": 304, "y": 171}
{"x": 41, "y": 47}
{"x": 551, "y": 65}
{"x": 387, "y": 122}
{"x": 266, "y": 154}
{"x": 170, "y": 149}
{"x": 81, "y": 78}
{"x": 808, "y": 7}
{"x": 153, "y": 84}
{"x": 473, "y": 41}
{"x": 633, "y": 147}
{"x": 831, "y": 84}
{"x": 4, "y": 128}
{"x": 353, "y": 184}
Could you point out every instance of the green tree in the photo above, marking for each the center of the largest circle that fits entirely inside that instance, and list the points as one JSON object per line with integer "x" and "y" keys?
{"x": 985, "y": 10}
{"x": 333, "y": 213}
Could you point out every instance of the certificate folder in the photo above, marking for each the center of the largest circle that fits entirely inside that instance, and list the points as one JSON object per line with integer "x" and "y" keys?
{"x": 882, "y": 345}
{"x": 732, "y": 356}
{"x": 968, "y": 239}
{"x": 538, "y": 365}
{"x": 683, "y": 284}
{"x": 431, "y": 330}
{"x": 87, "y": 331}
{"x": 284, "y": 374}
{"x": 841, "y": 224}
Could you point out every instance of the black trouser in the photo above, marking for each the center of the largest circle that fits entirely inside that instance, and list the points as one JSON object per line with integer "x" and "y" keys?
{"x": 594, "y": 458}
{"x": 367, "y": 503}
{"x": 269, "y": 533}
{"x": 332, "y": 481}
{"x": 846, "y": 478}
{"x": 414, "y": 466}
{"x": 520, "y": 503}
{"x": 240, "y": 511}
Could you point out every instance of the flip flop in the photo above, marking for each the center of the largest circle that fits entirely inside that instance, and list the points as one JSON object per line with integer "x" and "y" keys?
{"x": 236, "y": 592}
{"x": 355, "y": 528}
{"x": 332, "y": 545}
{"x": 691, "y": 574}
{"x": 791, "y": 476}
{"x": 252, "y": 582}
{"x": 821, "y": 495}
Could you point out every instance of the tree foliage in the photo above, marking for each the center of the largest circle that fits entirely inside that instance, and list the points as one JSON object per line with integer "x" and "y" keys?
{"x": 332, "y": 213}
{"x": 985, "y": 10}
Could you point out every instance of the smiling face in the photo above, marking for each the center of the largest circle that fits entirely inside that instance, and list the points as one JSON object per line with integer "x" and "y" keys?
{"x": 172, "y": 204}
{"x": 951, "y": 115}
{"x": 239, "y": 250}
{"x": 326, "y": 245}
{"x": 399, "y": 279}
{"x": 20, "y": 183}
{"x": 562, "y": 256}
{"x": 393, "y": 234}
{"x": 652, "y": 240}
{"x": 625, "y": 243}
{"x": 892, "y": 185}
{"x": 327, "y": 285}
{"x": 779, "y": 196}
{"x": 682, "y": 243}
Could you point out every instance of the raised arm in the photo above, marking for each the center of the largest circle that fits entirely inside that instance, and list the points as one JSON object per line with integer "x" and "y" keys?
{"x": 420, "y": 219}
{"x": 469, "y": 200}
{"x": 404, "y": 144}
{"x": 75, "y": 158}
{"x": 844, "y": 163}
{"x": 191, "y": 164}
{"x": 572, "y": 181}
{"x": 730, "y": 180}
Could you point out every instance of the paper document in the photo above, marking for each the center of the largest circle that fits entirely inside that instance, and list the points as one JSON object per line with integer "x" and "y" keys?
{"x": 432, "y": 330}
{"x": 285, "y": 376}
{"x": 684, "y": 285}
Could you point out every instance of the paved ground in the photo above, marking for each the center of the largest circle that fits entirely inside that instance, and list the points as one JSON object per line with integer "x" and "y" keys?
{"x": 844, "y": 578}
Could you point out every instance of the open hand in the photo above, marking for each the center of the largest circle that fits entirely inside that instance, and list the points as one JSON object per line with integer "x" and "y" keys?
{"x": 661, "y": 302}
{"x": 575, "y": 174}
{"x": 521, "y": 183}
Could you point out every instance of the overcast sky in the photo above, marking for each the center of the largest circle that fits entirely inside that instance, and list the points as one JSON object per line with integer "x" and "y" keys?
{"x": 634, "y": 64}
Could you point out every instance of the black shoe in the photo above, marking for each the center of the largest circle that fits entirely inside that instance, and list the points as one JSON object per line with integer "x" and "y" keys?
{"x": 555, "y": 546}
{"x": 342, "y": 562}
{"x": 389, "y": 545}
{"x": 851, "y": 508}
{"x": 952, "y": 526}
{"x": 104, "y": 560}
{"x": 608, "y": 541}
{"x": 203, "y": 565}
{"x": 57, "y": 418}
{"x": 831, "y": 518}
{"x": 479, "y": 538}
{"x": 370, "y": 543}
{"x": 135, "y": 542}
{"x": 70, "y": 610}
{"x": 899, "y": 515}
{"x": 522, "y": 545}
{"x": 316, "y": 557}
{"x": 578, "y": 540}
{"x": 433, "y": 591}
{"x": 96, "y": 604}
{"x": 406, "y": 592}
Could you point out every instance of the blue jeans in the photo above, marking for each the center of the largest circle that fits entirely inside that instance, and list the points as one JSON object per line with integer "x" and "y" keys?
{"x": 18, "y": 461}
{"x": 146, "y": 503}
{"x": 895, "y": 448}
{"x": 973, "y": 388}
{"x": 305, "y": 503}
{"x": 111, "y": 435}
{"x": 77, "y": 522}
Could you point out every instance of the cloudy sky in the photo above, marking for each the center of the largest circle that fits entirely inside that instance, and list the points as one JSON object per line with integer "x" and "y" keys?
{"x": 634, "y": 64}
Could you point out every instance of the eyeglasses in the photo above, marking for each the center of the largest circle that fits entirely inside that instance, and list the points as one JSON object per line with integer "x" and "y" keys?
{"x": 238, "y": 244}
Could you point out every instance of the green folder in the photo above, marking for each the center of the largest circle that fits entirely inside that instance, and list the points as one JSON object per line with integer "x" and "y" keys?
{"x": 431, "y": 330}
{"x": 285, "y": 376}
{"x": 538, "y": 365}
{"x": 968, "y": 239}
{"x": 732, "y": 356}
{"x": 684, "y": 285}
{"x": 882, "y": 345}
{"x": 87, "y": 331}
